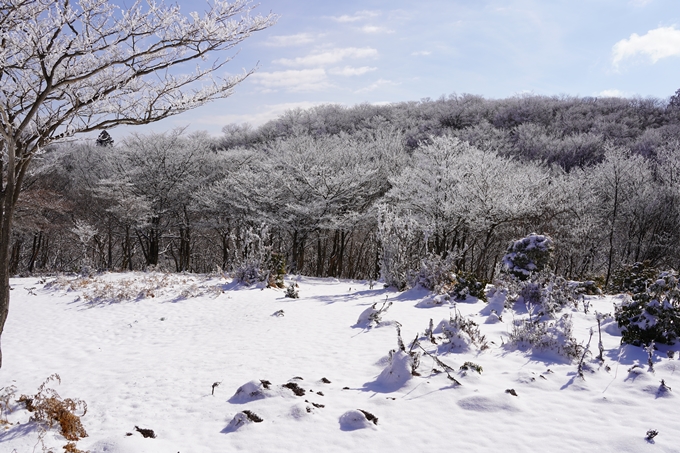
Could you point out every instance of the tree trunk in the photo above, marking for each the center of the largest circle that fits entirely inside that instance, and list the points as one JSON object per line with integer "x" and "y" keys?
{"x": 610, "y": 255}
{"x": 9, "y": 193}
{"x": 15, "y": 256}
{"x": 35, "y": 249}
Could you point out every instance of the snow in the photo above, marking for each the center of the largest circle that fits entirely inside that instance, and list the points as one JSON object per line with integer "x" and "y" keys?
{"x": 151, "y": 360}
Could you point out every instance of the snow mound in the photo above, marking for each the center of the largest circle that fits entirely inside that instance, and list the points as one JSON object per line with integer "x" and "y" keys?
{"x": 300, "y": 411}
{"x": 240, "y": 420}
{"x": 611, "y": 327}
{"x": 251, "y": 391}
{"x": 458, "y": 340}
{"x": 397, "y": 372}
{"x": 356, "y": 419}
{"x": 493, "y": 310}
{"x": 438, "y": 300}
{"x": 372, "y": 316}
{"x": 129, "y": 444}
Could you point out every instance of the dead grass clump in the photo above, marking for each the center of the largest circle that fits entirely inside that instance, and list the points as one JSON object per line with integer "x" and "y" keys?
{"x": 6, "y": 396}
{"x": 71, "y": 448}
{"x": 49, "y": 409}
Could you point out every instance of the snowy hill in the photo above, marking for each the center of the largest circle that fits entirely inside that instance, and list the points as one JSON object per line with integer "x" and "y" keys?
{"x": 200, "y": 359}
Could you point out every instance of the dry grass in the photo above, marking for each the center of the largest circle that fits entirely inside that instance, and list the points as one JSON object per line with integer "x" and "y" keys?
{"x": 49, "y": 409}
{"x": 6, "y": 396}
{"x": 99, "y": 289}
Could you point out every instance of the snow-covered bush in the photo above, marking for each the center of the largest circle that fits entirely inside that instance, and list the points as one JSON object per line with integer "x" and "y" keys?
{"x": 460, "y": 334}
{"x": 528, "y": 255}
{"x": 372, "y": 316}
{"x": 292, "y": 291}
{"x": 398, "y": 238}
{"x": 588, "y": 287}
{"x": 544, "y": 294}
{"x": 436, "y": 274}
{"x": 652, "y": 315}
{"x": 540, "y": 336}
{"x": 633, "y": 278}
{"x": 467, "y": 284}
{"x": 399, "y": 369}
{"x": 256, "y": 262}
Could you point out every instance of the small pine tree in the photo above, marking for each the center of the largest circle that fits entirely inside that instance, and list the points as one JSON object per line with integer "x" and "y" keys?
{"x": 104, "y": 139}
{"x": 528, "y": 255}
{"x": 652, "y": 315}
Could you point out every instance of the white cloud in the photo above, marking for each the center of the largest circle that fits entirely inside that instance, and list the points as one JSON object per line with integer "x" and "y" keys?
{"x": 292, "y": 80}
{"x": 348, "y": 71}
{"x": 662, "y": 42}
{"x": 421, "y": 53}
{"x": 329, "y": 57}
{"x": 611, "y": 94}
{"x": 290, "y": 40}
{"x": 377, "y": 84}
{"x": 375, "y": 29}
{"x": 359, "y": 15}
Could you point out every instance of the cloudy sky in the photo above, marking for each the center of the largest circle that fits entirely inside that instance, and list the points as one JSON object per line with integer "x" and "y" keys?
{"x": 378, "y": 51}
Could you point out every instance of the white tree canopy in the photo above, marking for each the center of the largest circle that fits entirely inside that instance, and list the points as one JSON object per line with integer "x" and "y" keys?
{"x": 68, "y": 68}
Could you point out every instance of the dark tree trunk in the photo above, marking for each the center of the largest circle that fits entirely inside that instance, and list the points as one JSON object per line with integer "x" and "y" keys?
{"x": 15, "y": 256}
{"x": 11, "y": 176}
{"x": 35, "y": 249}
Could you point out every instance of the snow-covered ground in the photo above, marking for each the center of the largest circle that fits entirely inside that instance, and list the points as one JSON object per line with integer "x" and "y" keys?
{"x": 151, "y": 359}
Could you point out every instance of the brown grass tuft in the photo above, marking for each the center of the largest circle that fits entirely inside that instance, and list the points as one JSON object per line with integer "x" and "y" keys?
{"x": 49, "y": 408}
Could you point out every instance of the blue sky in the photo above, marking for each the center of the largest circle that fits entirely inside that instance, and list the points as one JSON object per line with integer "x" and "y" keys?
{"x": 378, "y": 51}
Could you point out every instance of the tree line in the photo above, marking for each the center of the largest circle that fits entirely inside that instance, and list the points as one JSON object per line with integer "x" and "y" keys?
{"x": 368, "y": 191}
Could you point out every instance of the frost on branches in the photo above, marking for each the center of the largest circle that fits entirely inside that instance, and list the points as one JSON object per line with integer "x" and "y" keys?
{"x": 69, "y": 67}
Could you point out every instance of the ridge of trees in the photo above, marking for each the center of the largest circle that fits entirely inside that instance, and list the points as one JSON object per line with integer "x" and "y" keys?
{"x": 338, "y": 190}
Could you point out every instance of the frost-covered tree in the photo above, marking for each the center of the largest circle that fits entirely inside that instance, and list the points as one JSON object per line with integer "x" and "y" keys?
{"x": 429, "y": 190}
{"x": 311, "y": 191}
{"x": 69, "y": 67}
{"x": 620, "y": 184}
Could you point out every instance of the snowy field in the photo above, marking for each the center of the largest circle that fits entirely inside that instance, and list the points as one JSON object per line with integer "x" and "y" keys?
{"x": 145, "y": 350}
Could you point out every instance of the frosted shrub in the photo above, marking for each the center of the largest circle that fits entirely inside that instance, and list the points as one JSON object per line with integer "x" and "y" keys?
{"x": 399, "y": 240}
{"x": 652, "y": 315}
{"x": 435, "y": 274}
{"x": 399, "y": 369}
{"x": 461, "y": 334}
{"x": 255, "y": 263}
{"x": 292, "y": 291}
{"x": 528, "y": 255}
{"x": 546, "y": 336}
{"x": 633, "y": 278}
{"x": 467, "y": 284}
{"x": 544, "y": 294}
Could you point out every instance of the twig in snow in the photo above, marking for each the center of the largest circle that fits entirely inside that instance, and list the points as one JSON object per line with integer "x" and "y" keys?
{"x": 583, "y": 357}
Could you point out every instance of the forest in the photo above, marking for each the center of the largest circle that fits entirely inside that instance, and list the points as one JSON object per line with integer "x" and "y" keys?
{"x": 367, "y": 192}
